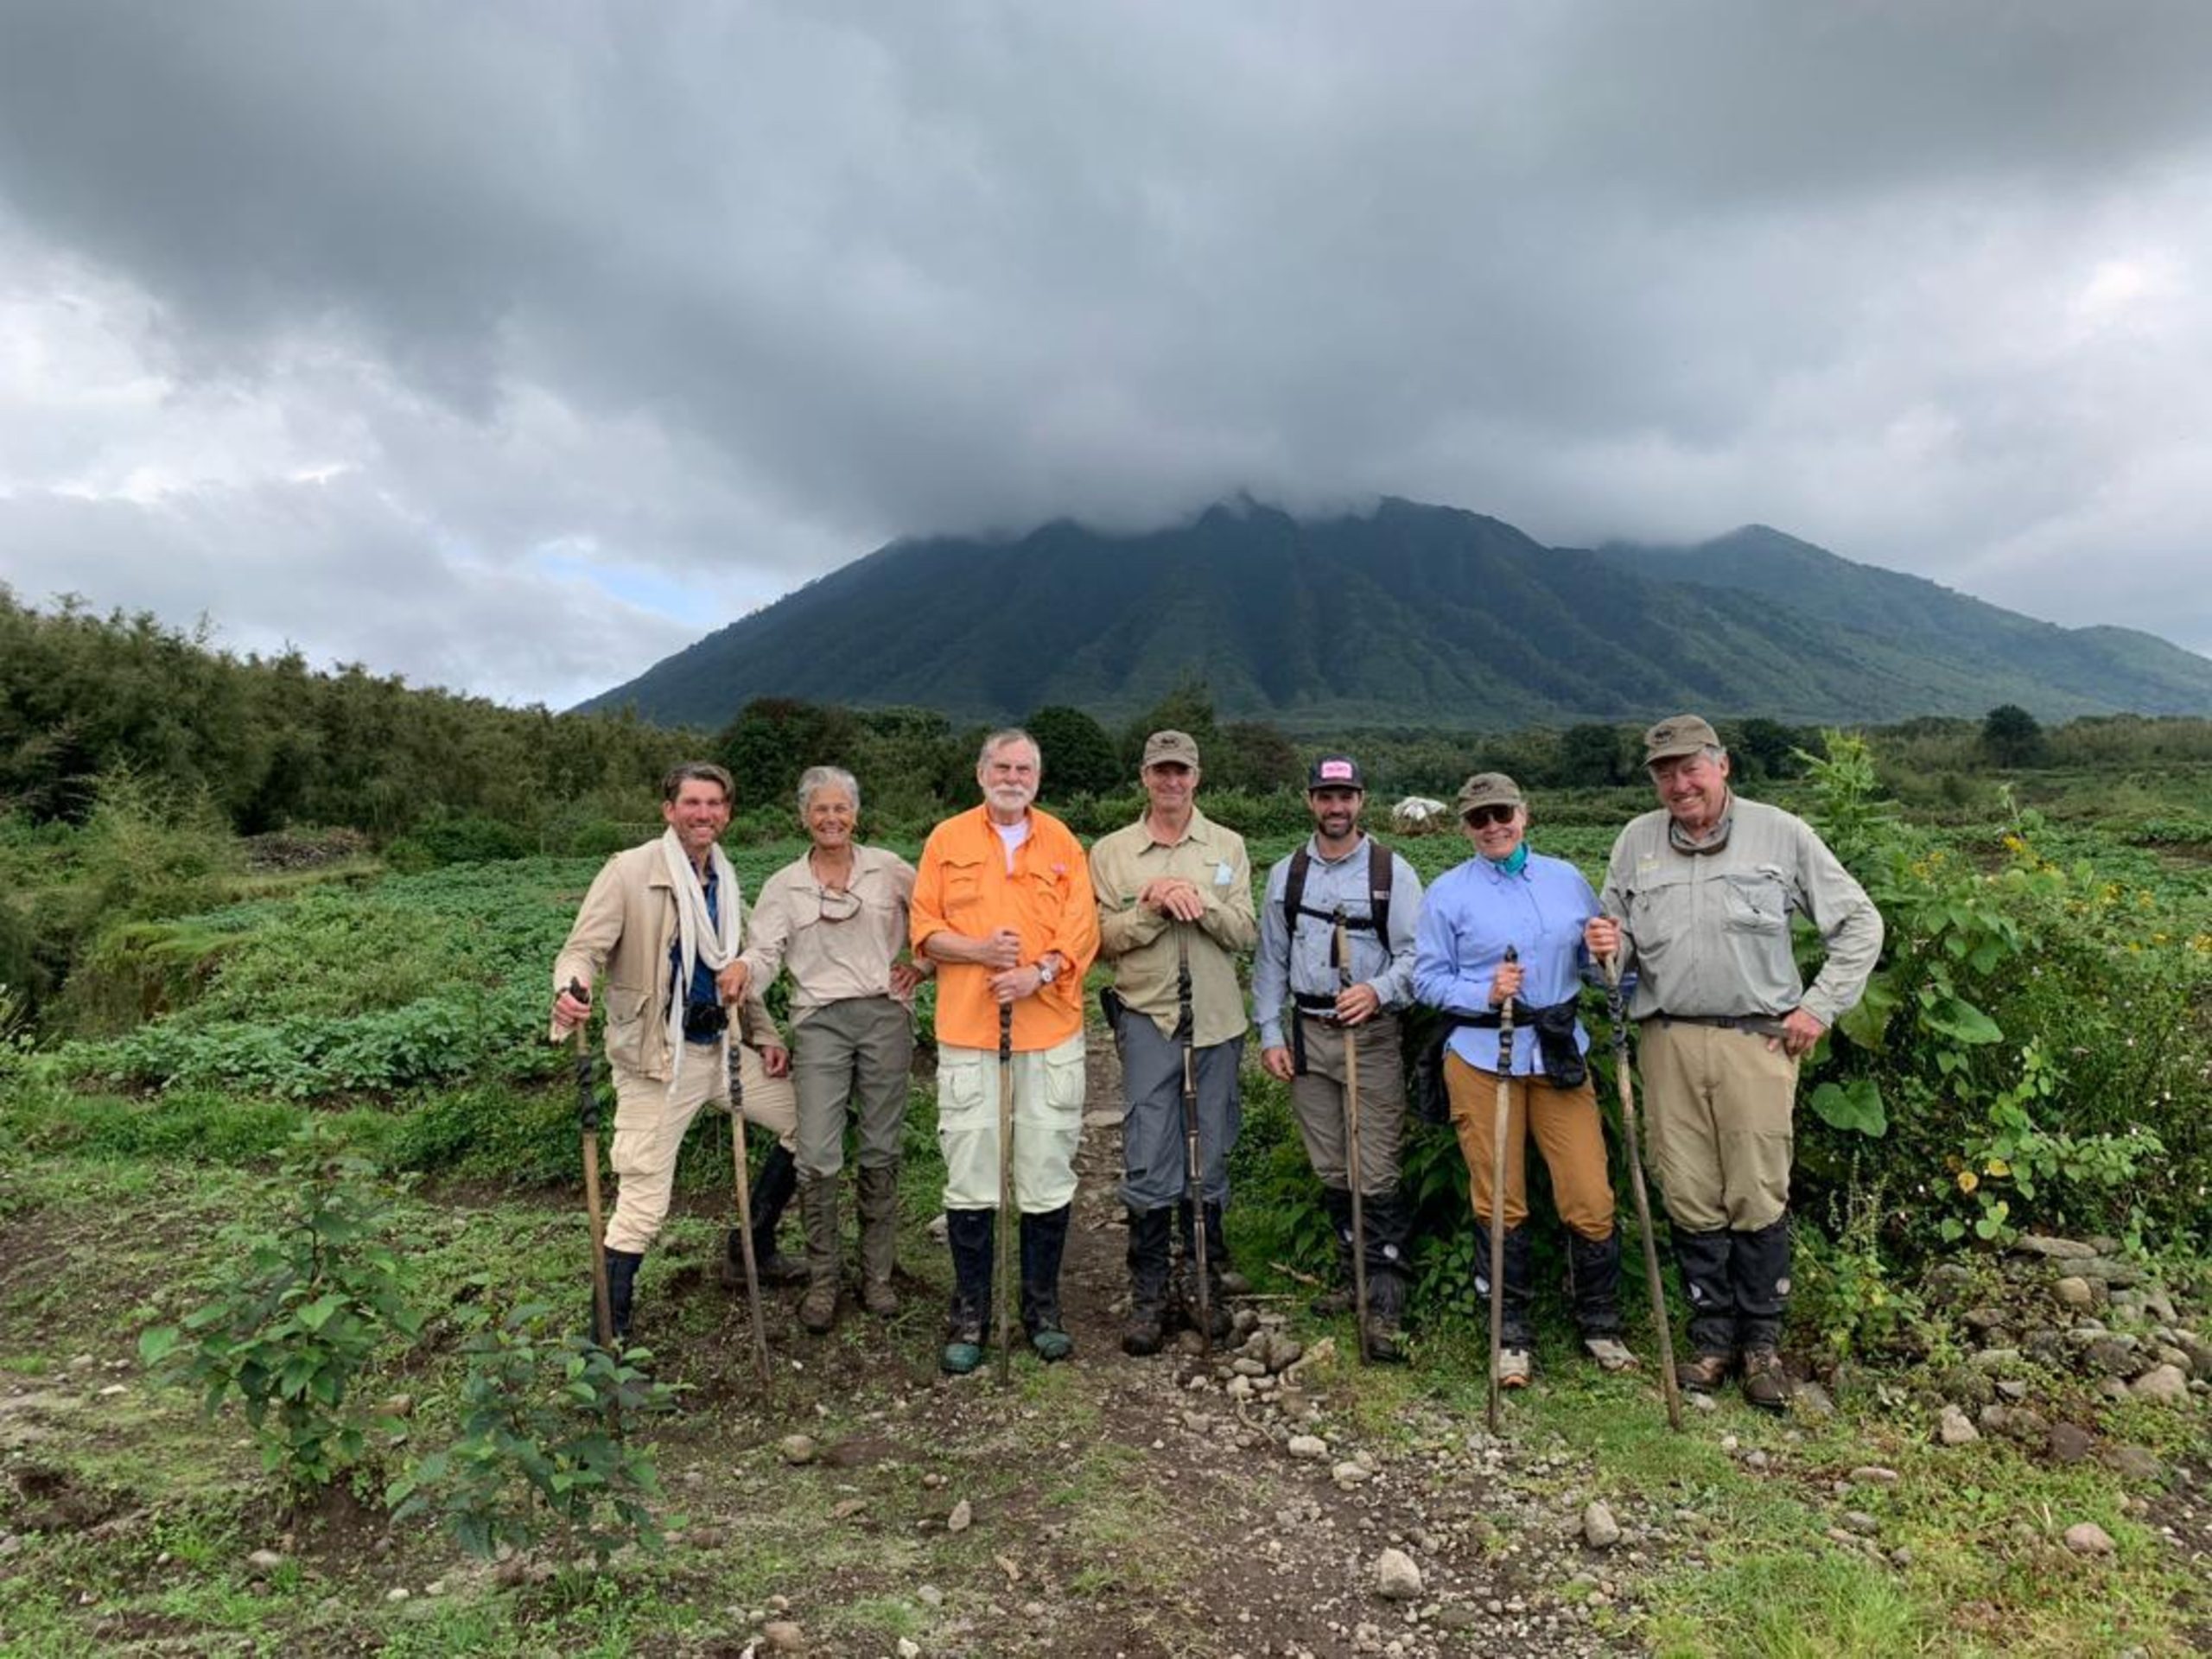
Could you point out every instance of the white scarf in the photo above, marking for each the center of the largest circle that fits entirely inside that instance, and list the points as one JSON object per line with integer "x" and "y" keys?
{"x": 700, "y": 938}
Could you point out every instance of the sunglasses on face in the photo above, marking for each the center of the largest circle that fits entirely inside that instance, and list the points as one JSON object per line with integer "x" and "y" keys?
{"x": 1478, "y": 817}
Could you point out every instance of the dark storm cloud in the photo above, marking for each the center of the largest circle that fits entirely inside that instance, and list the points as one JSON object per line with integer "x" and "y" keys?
{"x": 727, "y": 294}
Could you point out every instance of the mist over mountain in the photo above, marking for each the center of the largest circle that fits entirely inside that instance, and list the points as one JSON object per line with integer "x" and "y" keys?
{"x": 1410, "y": 615}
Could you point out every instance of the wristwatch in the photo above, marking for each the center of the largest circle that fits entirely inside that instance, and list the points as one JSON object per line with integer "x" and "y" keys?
{"x": 1047, "y": 970}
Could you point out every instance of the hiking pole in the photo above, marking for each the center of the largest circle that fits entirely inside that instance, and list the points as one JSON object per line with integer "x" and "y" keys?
{"x": 1660, "y": 1324}
{"x": 744, "y": 1207}
{"x": 1341, "y": 946}
{"x": 602, "y": 1309}
{"x": 1499, "y": 1122}
{"x": 1193, "y": 1164}
{"x": 1003, "y": 1261}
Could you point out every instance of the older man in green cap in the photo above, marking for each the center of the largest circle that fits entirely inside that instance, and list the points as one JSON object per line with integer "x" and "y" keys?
{"x": 1698, "y": 899}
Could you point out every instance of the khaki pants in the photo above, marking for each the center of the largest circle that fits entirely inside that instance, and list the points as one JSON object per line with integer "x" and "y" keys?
{"x": 1719, "y": 1103}
{"x": 1568, "y": 1133}
{"x": 852, "y": 1056}
{"x": 1317, "y": 1098}
{"x": 650, "y": 1120}
{"x": 1048, "y": 1087}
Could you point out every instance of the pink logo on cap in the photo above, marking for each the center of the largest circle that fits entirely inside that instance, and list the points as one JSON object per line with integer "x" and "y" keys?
{"x": 1334, "y": 771}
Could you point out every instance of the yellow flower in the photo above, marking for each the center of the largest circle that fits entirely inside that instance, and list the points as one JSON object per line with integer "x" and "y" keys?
{"x": 1968, "y": 1181}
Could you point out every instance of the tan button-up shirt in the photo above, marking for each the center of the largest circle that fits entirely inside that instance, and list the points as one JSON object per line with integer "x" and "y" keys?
{"x": 836, "y": 946}
{"x": 1140, "y": 942}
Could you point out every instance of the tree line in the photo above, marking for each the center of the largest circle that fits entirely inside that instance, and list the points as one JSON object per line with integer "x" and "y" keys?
{"x": 267, "y": 743}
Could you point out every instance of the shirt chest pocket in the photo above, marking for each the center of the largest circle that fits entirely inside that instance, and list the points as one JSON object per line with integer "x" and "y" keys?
{"x": 1755, "y": 901}
{"x": 1661, "y": 911}
{"x": 963, "y": 892}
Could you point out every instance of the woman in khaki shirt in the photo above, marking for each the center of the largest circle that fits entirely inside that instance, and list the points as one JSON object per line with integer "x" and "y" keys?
{"x": 837, "y": 919}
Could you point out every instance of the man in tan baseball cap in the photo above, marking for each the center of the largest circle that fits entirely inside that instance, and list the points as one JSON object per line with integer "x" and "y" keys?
{"x": 1698, "y": 898}
{"x": 1175, "y": 894}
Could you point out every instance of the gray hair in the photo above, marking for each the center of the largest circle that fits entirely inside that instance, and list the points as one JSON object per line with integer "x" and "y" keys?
{"x": 1003, "y": 736}
{"x": 816, "y": 777}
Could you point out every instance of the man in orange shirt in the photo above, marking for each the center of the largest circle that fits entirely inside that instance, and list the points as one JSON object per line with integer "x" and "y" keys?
{"x": 1002, "y": 905}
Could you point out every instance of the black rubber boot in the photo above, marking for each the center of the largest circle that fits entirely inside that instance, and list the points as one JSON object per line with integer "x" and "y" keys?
{"x": 1044, "y": 1238}
{"x": 1147, "y": 1330}
{"x": 968, "y": 1233}
{"x": 1705, "y": 1262}
{"x": 1593, "y": 1282}
{"x": 1337, "y": 1201}
{"x": 1389, "y": 1221}
{"x": 772, "y": 1190}
{"x": 1183, "y": 1291}
{"x": 621, "y": 1289}
{"x": 1758, "y": 1266}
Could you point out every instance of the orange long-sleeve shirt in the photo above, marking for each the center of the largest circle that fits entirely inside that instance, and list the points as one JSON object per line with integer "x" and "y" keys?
{"x": 963, "y": 885}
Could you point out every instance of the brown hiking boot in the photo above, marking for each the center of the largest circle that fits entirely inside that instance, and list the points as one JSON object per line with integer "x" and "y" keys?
{"x": 1705, "y": 1373}
{"x": 879, "y": 1203}
{"x": 1767, "y": 1384}
{"x": 817, "y": 1204}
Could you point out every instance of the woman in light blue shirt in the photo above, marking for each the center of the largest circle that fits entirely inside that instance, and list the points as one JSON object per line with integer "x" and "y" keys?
{"x": 1507, "y": 895}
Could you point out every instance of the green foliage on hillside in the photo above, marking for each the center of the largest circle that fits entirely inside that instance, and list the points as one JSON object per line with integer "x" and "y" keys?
{"x": 1414, "y": 615}
{"x": 266, "y": 742}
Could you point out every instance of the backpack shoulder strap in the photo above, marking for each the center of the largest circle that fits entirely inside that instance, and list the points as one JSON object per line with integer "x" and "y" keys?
{"x": 1381, "y": 866}
{"x": 1294, "y": 890}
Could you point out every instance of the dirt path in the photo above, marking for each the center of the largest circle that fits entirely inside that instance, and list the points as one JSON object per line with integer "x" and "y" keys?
{"x": 1138, "y": 1507}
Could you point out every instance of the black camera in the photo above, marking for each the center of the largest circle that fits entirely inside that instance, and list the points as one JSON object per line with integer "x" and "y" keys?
{"x": 704, "y": 1021}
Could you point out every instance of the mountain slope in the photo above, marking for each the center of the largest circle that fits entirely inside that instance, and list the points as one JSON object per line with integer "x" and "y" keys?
{"x": 1410, "y": 615}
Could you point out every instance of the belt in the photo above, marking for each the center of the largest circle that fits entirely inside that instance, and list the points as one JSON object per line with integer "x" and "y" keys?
{"x": 1758, "y": 1025}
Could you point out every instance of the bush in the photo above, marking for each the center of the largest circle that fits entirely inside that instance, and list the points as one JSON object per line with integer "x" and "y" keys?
{"x": 544, "y": 1447}
{"x": 314, "y": 1299}
{"x": 2030, "y": 1051}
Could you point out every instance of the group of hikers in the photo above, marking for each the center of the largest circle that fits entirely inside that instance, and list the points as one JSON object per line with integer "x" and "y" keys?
{"x": 1008, "y": 913}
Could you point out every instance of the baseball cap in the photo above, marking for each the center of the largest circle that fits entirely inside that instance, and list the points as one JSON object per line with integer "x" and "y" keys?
{"x": 1677, "y": 735}
{"x": 1488, "y": 789}
{"x": 1174, "y": 747}
{"x": 1335, "y": 772}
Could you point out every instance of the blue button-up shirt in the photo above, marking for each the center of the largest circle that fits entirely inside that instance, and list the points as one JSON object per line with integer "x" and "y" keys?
{"x": 1303, "y": 962}
{"x": 1472, "y": 913}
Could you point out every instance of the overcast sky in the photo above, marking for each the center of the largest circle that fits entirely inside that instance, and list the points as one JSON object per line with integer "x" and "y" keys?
{"x": 512, "y": 347}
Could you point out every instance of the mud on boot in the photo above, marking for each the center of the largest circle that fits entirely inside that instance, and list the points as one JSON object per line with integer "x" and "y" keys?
{"x": 879, "y": 1205}
{"x": 817, "y": 1202}
{"x": 1146, "y": 1331}
{"x": 1182, "y": 1291}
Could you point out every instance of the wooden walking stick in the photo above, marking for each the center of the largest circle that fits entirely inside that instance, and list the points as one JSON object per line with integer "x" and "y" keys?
{"x": 1661, "y": 1324}
{"x": 602, "y": 1311}
{"x": 1193, "y": 1162}
{"x": 1006, "y": 1241}
{"x": 744, "y": 1207}
{"x": 1341, "y": 946}
{"x": 1499, "y": 1122}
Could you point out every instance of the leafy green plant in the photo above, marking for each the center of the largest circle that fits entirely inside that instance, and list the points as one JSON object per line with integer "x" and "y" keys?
{"x": 544, "y": 1447}
{"x": 317, "y": 1296}
{"x": 2032, "y": 1043}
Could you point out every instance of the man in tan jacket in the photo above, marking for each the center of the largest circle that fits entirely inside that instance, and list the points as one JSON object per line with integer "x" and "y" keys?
{"x": 663, "y": 921}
